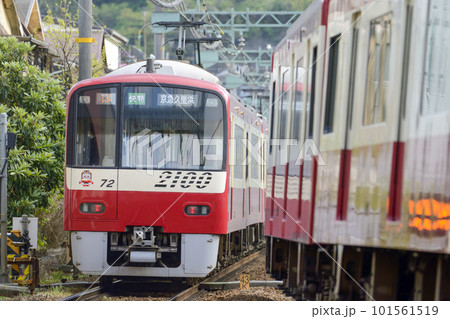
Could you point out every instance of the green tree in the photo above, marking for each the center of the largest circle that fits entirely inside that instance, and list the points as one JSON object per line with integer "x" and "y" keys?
{"x": 62, "y": 30}
{"x": 61, "y": 33}
{"x": 125, "y": 19}
{"x": 36, "y": 113}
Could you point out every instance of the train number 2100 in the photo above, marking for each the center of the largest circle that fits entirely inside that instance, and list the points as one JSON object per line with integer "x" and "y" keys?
{"x": 169, "y": 179}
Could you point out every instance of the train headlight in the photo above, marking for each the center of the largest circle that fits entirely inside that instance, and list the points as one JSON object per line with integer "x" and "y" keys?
{"x": 92, "y": 208}
{"x": 196, "y": 210}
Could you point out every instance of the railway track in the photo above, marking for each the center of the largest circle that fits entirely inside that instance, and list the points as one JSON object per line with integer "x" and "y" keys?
{"x": 223, "y": 275}
{"x": 94, "y": 293}
{"x": 181, "y": 294}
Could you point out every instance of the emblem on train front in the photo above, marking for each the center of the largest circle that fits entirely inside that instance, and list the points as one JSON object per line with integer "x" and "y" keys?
{"x": 86, "y": 178}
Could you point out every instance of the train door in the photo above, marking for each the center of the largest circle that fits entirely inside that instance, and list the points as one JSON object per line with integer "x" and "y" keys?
{"x": 307, "y": 158}
{"x": 428, "y": 147}
{"x": 375, "y": 126}
{"x": 345, "y": 160}
{"x": 254, "y": 182}
{"x": 277, "y": 150}
{"x": 231, "y": 156}
{"x": 263, "y": 172}
{"x": 247, "y": 173}
{"x": 270, "y": 168}
{"x": 333, "y": 127}
{"x": 238, "y": 171}
{"x": 293, "y": 191}
{"x": 281, "y": 160}
{"x": 397, "y": 168}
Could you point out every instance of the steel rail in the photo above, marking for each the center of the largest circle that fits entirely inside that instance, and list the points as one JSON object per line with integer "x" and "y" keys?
{"x": 187, "y": 294}
{"x": 222, "y": 275}
{"x": 67, "y": 284}
{"x": 90, "y": 294}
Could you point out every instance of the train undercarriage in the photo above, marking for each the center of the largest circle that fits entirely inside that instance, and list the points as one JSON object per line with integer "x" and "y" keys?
{"x": 337, "y": 272}
{"x": 149, "y": 252}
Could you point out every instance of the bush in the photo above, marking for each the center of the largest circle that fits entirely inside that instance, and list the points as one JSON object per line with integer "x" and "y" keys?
{"x": 51, "y": 224}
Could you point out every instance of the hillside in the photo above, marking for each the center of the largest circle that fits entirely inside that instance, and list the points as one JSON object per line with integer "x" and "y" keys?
{"x": 127, "y": 17}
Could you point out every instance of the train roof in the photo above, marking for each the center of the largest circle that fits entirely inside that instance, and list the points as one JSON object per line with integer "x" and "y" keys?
{"x": 169, "y": 67}
{"x": 167, "y": 72}
{"x": 309, "y": 19}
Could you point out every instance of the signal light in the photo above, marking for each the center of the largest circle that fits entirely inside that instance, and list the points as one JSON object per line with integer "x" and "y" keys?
{"x": 92, "y": 208}
{"x": 196, "y": 210}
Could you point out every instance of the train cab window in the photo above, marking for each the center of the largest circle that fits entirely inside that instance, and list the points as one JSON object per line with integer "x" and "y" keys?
{"x": 298, "y": 100}
{"x": 378, "y": 82}
{"x": 95, "y": 143}
{"x": 331, "y": 84}
{"x": 176, "y": 128}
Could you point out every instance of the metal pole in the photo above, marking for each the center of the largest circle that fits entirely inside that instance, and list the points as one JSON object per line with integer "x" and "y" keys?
{"x": 158, "y": 49}
{"x": 145, "y": 35}
{"x": 85, "y": 39}
{"x": 3, "y": 201}
{"x": 25, "y": 233}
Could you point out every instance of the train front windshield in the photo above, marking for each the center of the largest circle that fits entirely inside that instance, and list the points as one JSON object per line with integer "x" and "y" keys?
{"x": 161, "y": 128}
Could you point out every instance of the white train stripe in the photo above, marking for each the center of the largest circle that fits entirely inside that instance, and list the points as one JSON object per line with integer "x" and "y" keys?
{"x": 146, "y": 180}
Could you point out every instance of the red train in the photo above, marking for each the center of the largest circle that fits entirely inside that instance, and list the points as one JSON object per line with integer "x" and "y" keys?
{"x": 157, "y": 183}
{"x": 358, "y": 203}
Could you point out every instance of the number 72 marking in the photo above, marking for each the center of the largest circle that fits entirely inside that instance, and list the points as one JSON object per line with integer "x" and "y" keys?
{"x": 107, "y": 183}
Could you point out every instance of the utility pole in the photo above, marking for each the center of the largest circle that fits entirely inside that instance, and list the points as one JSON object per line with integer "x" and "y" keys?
{"x": 145, "y": 35}
{"x": 158, "y": 49}
{"x": 4, "y": 278}
{"x": 85, "y": 39}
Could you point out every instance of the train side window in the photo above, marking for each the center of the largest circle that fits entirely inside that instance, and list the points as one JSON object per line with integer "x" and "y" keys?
{"x": 331, "y": 84}
{"x": 435, "y": 90}
{"x": 311, "y": 94}
{"x": 254, "y": 158}
{"x": 265, "y": 165}
{"x": 239, "y": 153}
{"x": 272, "y": 119}
{"x": 246, "y": 156}
{"x": 298, "y": 100}
{"x": 95, "y": 143}
{"x": 406, "y": 54}
{"x": 262, "y": 159}
{"x": 284, "y": 104}
{"x": 378, "y": 82}
{"x": 351, "y": 87}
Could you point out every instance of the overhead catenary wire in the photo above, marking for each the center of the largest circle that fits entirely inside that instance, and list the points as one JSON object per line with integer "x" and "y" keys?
{"x": 181, "y": 9}
{"x": 220, "y": 43}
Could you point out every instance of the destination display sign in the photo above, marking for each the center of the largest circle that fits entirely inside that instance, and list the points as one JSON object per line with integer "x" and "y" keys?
{"x": 177, "y": 99}
{"x": 105, "y": 99}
